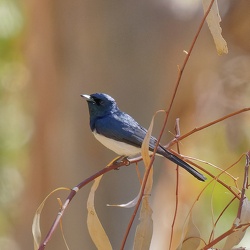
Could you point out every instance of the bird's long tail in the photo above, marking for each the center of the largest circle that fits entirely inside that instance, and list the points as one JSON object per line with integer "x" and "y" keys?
{"x": 182, "y": 164}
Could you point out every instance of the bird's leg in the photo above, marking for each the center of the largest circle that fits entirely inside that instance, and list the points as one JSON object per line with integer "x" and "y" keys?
{"x": 120, "y": 161}
{"x": 125, "y": 161}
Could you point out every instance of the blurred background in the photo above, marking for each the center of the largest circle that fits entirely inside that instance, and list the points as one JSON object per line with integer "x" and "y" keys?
{"x": 53, "y": 51}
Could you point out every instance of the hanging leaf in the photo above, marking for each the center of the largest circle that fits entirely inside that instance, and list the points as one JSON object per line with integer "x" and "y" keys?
{"x": 127, "y": 205}
{"x": 96, "y": 231}
{"x": 36, "y": 231}
{"x": 213, "y": 20}
{"x": 144, "y": 230}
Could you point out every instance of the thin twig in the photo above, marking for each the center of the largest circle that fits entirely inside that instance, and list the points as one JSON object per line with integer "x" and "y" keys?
{"x": 217, "y": 177}
{"x": 245, "y": 185}
{"x": 178, "y": 133}
{"x": 217, "y": 220}
{"x": 208, "y": 125}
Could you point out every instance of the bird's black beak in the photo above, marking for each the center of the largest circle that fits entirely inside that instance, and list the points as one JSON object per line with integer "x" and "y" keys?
{"x": 88, "y": 98}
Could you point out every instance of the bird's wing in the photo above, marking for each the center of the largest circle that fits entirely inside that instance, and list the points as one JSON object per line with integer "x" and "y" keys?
{"x": 122, "y": 127}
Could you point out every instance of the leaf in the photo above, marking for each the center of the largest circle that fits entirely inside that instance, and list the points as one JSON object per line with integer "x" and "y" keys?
{"x": 192, "y": 238}
{"x": 235, "y": 238}
{"x": 144, "y": 230}
{"x": 96, "y": 231}
{"x": 126, "y": 205}
{"x": 213, "y": 20}
{"x": 145, "y": 145}
{"x": 36, "y": 231}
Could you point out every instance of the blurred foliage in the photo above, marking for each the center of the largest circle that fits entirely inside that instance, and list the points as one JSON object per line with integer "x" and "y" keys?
{"x": 15, "y": 124}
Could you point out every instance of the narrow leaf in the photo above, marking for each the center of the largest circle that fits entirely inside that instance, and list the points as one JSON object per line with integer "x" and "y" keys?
{"x": 126, "y": 205}
{"x": 96, "y": 231}
{"x": 36, "y": 231}
{"x": 213, "y": 20}
{"x": 144, "y": 230}
{"x": 145, "y": 145}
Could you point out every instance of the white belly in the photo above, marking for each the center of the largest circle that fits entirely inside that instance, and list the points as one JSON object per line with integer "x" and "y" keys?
{"x": 118, "y": 147}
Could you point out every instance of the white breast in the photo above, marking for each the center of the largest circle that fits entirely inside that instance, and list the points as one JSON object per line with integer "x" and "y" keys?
{"x": 118, "y": 147}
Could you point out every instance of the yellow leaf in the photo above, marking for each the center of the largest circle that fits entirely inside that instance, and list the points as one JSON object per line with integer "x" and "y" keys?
{"x": 144, "y": 230}
{"x": 128, "y": 204}
{"x": 213, "y": 20}
{"x": 145, "y": 145}
{"x": 36, "y": 231}
{"x": 96, "y": 231}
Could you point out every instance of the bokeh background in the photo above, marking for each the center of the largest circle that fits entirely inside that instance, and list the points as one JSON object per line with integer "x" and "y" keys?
{"x": 53, "y": 51}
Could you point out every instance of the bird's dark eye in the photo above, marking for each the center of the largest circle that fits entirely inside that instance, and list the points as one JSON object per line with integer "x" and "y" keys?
{"x": 98, "y": 101}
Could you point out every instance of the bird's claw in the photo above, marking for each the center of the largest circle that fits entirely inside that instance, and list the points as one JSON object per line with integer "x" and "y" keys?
{"x": 120, "y": 161}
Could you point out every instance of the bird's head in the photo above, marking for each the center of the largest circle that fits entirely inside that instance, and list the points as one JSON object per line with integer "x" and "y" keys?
{"x": 100, "y": 104}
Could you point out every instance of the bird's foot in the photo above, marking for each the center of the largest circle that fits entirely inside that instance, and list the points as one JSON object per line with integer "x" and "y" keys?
{"x": 120, "y": 161}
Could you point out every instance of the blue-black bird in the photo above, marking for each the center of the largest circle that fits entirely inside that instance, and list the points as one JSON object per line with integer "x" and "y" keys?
{"x": 119, "y": 132}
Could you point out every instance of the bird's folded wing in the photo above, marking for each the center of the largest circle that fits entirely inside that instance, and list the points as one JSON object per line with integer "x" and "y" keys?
{"x": 123, "y": 128}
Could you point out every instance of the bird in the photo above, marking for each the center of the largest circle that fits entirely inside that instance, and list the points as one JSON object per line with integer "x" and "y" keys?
{"x": 121, "y": 133}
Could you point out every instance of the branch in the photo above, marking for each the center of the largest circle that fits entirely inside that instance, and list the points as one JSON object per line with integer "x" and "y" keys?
{"x": 114, "y": 165}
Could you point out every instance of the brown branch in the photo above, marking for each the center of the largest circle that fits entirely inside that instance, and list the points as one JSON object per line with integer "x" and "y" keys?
{"x": 208, "y": 125}
{"x": 245, "y": 185}
{"x": 178, "y": 133}
{"x": 114, "y": 165}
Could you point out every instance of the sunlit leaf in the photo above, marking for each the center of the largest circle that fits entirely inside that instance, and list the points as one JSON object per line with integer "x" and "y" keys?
{"x": 36, "y": 231}
{"x": 235, "y": 238}
{"x": 145, "y": 145}
{"x": 144, "y": 230}
{"x": 126, "y": 205}
{"x": 96, "y": 231}
{"x": 213, "y": 20}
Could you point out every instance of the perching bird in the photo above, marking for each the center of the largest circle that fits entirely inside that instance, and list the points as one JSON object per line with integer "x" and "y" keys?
{"x": 120, "y": 133}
